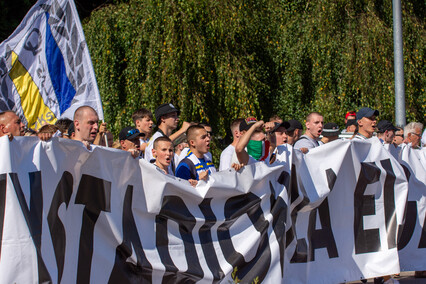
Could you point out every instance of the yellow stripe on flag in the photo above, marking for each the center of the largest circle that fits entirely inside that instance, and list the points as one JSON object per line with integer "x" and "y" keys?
{"x": 35, "y": 110}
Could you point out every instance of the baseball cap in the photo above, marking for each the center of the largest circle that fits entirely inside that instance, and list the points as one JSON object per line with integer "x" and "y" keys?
{"x": 284, "y": 124}
{"x": 128, "y": 133}
{"x": 330, "y": 129}
{"x": 350, "y": 122}
{"x": 366, "y": 112}
{"x": 384, "y": 125}
{"x": 247, "y": 123}
{"x": 163, "y": 110}
{"x": 350, "y": 113}
{"x": 294, "y": 124}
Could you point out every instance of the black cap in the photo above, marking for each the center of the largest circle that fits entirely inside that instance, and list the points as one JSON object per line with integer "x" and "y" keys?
{"x": 294, "y": 124}
{"x": 366, "y": 112}
{"x": 384, "y": 125}
{"x": 330, "y": 129}
{"x": 350, "y": 122}
{"x": 284, "y": 124}
{"x": 163, "y": 110}
{"x": 247, "y": 123}
{"x": 128, "y": 133}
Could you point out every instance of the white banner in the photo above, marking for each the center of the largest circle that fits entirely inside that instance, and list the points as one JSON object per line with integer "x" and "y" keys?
{"x": 412, "y": 240}
{"x": 68, "y": 215}
{"x": 45, "y": 66}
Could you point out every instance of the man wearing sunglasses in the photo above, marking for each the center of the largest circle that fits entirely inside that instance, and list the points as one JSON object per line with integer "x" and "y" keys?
{"x": 130, "y": 140}
{"x": 413, "y": 134}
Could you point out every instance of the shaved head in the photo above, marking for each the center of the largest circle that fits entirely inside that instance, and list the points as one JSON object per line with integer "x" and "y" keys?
{"x": 86, "y": 124}
{"x": 11, "y": 123}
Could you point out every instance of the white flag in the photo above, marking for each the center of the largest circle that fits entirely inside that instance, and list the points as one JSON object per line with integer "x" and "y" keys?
{"x": 45, "y": 67}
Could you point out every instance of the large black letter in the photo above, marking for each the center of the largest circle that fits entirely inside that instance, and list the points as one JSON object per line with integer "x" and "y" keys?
{"x": 322, "y": 238}
{"x": 123, "y": 270}
{"x": 235, "y": 207}
{"x": 389, "y": 203}
{"x": 207, "y": 242}
{"x": 33, "y": 216}
{"x": 364, "y": 205}
{"x": 95, "y": 194}
{"x": 407, "y": 229}
{"x": 175, "y": 209}
{"x": 57, "y": 231}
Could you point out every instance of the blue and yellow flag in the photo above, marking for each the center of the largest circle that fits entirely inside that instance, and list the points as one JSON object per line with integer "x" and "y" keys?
{"x": 45, "y": 67}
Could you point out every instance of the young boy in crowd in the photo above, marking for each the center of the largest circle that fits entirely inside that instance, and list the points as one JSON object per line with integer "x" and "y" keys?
{"x": 162, "y": 151}
{"x": 196, "y": 165}
{"x": 142, "y": 118}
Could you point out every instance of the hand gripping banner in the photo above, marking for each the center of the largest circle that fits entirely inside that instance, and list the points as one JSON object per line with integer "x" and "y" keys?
{"x": 68, "y": 215}
{"x": 45, "y": 67}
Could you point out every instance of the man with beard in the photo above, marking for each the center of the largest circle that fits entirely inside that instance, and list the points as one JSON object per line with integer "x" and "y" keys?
{"x": 314, "y": 124}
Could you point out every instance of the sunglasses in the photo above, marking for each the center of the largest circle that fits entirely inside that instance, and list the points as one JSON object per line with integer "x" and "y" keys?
{"x": 131, "y": 132}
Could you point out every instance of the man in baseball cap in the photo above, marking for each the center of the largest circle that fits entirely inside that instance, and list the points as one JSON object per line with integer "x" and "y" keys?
{"x": 386, "y": 131}
{"x": 130, "y": 140}
{"x": 366, "y": 119}
{"x": 294, "y": 131}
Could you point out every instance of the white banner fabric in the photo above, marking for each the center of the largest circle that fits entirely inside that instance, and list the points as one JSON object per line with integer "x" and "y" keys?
{"x": 68, "y": 215}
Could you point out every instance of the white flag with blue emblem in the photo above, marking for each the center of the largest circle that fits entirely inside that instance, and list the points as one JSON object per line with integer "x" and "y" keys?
{"x": 45, "y": 67}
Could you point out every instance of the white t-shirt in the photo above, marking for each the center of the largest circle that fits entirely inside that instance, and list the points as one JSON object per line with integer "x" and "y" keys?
{"x": 305, "y": 142}
{"x": 226, "y": 157}
{"x": 148, "y": 150}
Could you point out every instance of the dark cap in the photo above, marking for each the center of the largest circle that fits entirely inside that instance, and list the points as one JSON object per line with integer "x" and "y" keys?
{"x": 330, "y": 129}
{"x": 284, "y": 124}
{"x": 163, "y": 110}
{"x": 129, "y": 133}
{"x": 366, "y": 112}
{"x": 294, "y": 124}
{"x": 350, "y": 122}
{"x": 247, "y": 123}
{"x": 384, "y": 125}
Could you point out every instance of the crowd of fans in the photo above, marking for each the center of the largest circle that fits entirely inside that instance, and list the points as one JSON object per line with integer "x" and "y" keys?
{"x": 185, "y": 152}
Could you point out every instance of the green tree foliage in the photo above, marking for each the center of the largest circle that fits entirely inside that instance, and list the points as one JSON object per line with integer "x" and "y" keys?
{"x": 223, "y": 59}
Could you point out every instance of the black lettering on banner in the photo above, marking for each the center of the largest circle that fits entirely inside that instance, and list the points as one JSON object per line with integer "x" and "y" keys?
{"x": 315, "y": 236}
{"x": 235, "y": 207}
{"x": 364, "y": 205}
{"x": 174, "y": 208}
{"x": 389, "y": 203}
{"x": 407, "y": 229}
{"x": 301, "y": 251}
{"x": 95, "y": 194}
{"x": 279, "y": 213}
{"x": 33, "y": 217}
{"x": 3, "y": 178}
{"x": 324, "y": 237}
{"x": 124, "y": 271}
{"x": 62, "y": 195}
{"x": 422, "y": 243}
{"x": 207, "y": 242}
